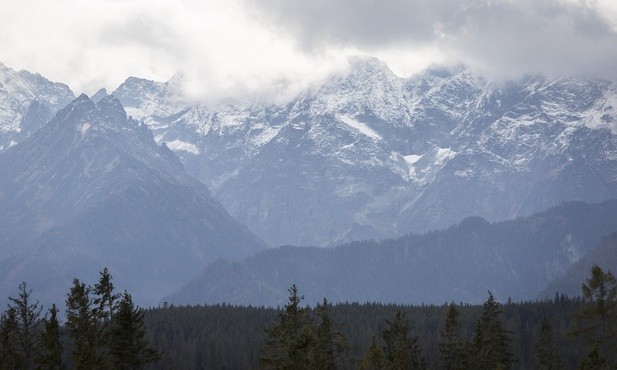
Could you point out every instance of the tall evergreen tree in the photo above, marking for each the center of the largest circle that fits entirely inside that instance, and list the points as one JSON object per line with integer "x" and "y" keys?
{"x": 453, "y": 351}
{"x": 330, "y": 343}
{"x": 104, "y": 306}
{"x": 289, "y": 344}
{"x": 129, "y": 347}
{"x": 373, "y": 357}
{"x": 597, "y": 320}
{"x": 10, "y": 356}
{"x": 401, "y": 350}
{"x": 52, "y": 347}
{"x": 547, "y": 354}
{"x": 491, "y": 341}
{"x": 83, "y": 328}
{"x": 28, "y": 318}
{"x": 105, "y": 298}
{"x": 593, "y": 361}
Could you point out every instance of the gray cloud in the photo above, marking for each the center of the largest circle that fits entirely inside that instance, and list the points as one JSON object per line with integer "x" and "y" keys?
{"x": 503, "y": 36}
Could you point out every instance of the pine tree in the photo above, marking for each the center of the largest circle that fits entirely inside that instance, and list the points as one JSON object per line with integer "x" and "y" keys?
{"x": 597, "y": 319}
{"x": 491, "y": 341}
{"x": 52, "y": 346}
{"x": 593, "y": 361}
{"x": 373, "y": 357}
{"x": 401, "y": 350}
{"x": 83, "y": 328}
{"x": 453, "y": 351}
{"x": 28, "y": 318}
{"x": 289, "y": 344}
{"x": 129, "y": 348}
{"x": 330, "y": 343}
{"x": 105, "y": 298}
{"x": 105, "y": 302}
{"x": 10, "y": 356}
{"x": 547, "y": 354}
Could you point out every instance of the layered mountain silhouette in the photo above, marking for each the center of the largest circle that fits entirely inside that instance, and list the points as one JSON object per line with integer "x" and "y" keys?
{"x": 569, "y": 281}
{"x": 513, "y": 259}
{"x": 92, "y": 189}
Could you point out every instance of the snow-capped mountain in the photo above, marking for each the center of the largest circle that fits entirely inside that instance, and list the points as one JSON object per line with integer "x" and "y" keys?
{"x": 92, "y": 189}
{"x": 27, "y": 102}
{"x": 369, "y": 154}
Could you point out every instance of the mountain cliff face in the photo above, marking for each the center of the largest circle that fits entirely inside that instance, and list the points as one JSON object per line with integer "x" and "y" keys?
{"x": 92, "y": 189}
{"x": 370, "y": 155}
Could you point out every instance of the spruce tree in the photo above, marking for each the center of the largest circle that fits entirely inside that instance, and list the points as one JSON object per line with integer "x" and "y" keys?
{"x": 129, "y": 348}
{"x": 593, "y": 361}
{"x": 28, "y": 319}
{"x": 373, "y": 357}
{"x": 330, "y": 343}
{"x": 289, "y": 343}
{"x": 10, "y": 356}
{"x": 104, "y": 306}
{"x": 547, "y": 354}
{"x": 401, "y": 350}
{"x": 597, "y": 320}
{"x": 105, "y": 298}
{"x": 453, "y": 351}
{"x": 83, "y": 327}
{"x": 491, "y": 341}
{"x": 52, "y": 348}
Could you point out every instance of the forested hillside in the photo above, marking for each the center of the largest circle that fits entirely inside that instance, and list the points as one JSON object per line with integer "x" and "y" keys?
{"x": 513, "y": 259}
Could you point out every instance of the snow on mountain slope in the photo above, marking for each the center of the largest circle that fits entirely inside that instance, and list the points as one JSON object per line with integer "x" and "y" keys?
{"x": 369, "y": 154}
{"x": 27, "y": 101}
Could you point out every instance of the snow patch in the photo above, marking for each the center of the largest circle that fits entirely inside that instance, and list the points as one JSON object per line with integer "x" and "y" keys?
{"x": 177, "y": 145}
{"x": 12, "y": 143}
{"x": 84, "y": 128}
{"x": 361, "y": 127}
{"x": 443, "y": 154}
{"x": 412, "y": 158}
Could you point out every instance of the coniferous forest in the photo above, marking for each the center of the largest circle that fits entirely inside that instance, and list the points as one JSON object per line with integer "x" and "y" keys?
{"x": 104, "y": 329}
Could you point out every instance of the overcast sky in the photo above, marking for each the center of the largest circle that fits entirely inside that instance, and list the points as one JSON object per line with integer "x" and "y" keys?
{"x": 272, "y": 48}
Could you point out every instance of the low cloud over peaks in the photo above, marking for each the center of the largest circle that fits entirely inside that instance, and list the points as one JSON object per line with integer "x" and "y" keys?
{"x": 503, "y": 36}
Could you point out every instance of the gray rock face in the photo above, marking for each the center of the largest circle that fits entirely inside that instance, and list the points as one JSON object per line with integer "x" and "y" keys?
{"x": 371, "y": 155}
{"x": 93, "y": 189}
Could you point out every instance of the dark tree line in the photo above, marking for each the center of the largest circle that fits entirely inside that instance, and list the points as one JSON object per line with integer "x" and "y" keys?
{"x": 103, "y": 330}
{"x": 293, "y": 343}
{"x": 561, "y": 333}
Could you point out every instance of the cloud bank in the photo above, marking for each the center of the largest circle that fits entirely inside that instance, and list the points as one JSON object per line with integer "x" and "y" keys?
{"x": 274, "y": 48}
{"x": 574, "y": 37}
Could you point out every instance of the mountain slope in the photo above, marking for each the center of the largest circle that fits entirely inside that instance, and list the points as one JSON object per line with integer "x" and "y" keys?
{"x": 514, "y": 259}
{"x": 93, "y": 189}
{"x": 569, "y": 282}
{"x": 27, "y": 102}
{"x": 370, "y": 155}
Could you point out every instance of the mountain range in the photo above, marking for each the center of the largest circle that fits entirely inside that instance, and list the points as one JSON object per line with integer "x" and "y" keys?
{"x": 368, "y": 154}
{"x": 92, "y": 189}
{"x": 121, "y": 179}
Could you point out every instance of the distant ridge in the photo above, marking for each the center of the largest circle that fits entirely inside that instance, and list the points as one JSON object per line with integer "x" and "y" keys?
{"x": 513, "y": 259}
